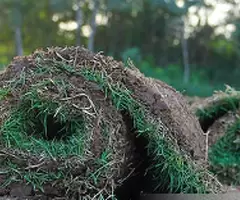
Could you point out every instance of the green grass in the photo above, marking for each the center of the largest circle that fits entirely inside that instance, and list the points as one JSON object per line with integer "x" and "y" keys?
{"x": 3, "y": 93}
{"x": 35, "y": 178}
{"x": 25, "y": 132}
{"x": 224, "y": 156}
{"x": 26, "y": 129}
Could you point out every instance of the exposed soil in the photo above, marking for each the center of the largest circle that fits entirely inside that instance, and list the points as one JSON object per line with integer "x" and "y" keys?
{"x": 166, "y": 103}
{"x": 220, "y": 126}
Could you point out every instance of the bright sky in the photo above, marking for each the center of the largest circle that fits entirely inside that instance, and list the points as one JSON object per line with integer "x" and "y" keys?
{"x": 86, "y": 29}
{"x": 215, "y": 17}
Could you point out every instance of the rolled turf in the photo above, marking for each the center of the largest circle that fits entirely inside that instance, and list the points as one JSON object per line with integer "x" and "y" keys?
{"x": 91, "y": 127}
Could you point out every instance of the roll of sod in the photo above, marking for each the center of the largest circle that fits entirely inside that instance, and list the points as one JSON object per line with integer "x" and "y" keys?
{"x": 75, "y": 123}
{"x": 212, "y": 108}
{"x": 219, "y": 118}
{"x": 224, "y": 156}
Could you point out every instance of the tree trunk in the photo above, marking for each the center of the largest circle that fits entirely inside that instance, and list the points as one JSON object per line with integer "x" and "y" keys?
{"x": 79, "y": 20}
{"x": 17, "y": 23}
{"x": 18, "y": 40}
{"x": 184, "y": 44}
{"x": 93, "y": 26}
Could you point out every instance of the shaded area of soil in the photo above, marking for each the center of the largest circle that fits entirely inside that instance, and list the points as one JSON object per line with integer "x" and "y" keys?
{"x": 137, "y": 183}
{"x": 54, "y": 130}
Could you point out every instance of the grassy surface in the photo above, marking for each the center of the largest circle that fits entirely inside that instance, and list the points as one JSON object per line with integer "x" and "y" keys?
{"x": 26, "y": 132}
{"x": 224, "y": 156}
{"x": 225, "y": 153}
{"x": 15, "y": 131}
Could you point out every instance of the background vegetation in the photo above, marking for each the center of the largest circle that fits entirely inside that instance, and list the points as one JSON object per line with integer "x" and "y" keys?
{"x": 192, "y": 45}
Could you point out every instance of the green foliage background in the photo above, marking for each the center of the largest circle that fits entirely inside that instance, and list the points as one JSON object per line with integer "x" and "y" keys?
{"x": 147, "y": 31}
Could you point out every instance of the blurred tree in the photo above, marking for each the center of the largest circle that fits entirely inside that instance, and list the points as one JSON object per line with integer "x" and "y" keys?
{"x": 184, "y": 43}
{"x": 151, "y": 28}
{"x": 171, "y": 6}
{"x": 96, "y": 4}
{"x": 17, "y": 19}
{"x": 142, "y": 24}
{"x": 79, "y": 20}
{"x": 13, "y": 13}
